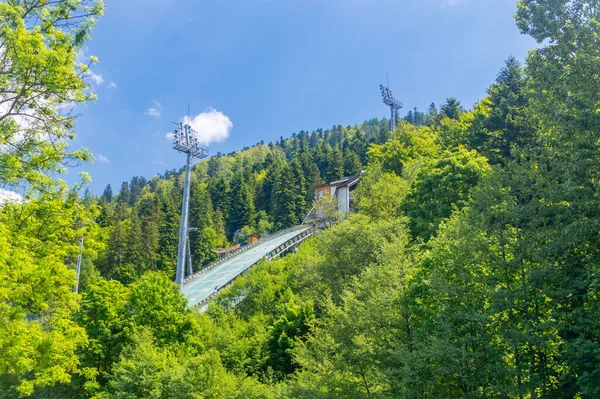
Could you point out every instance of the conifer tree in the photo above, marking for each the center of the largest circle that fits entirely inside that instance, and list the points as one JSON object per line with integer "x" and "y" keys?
{"x": 242, "y": 205}
{"x": 125, "y": 194}
{"x": 150, "y": 220}
{"x": 168, "y": 229}
{"x": 284, "y": 198}
{"x": 352, "y": 164}
{"x": 506, "y": 124}
{"x": 335, "y": 165}
{"x": 116, "y": 250}
{"x": 107, "y": 194}
{"x": 451, "y": 108}
{"x": 220, "y": 193}
{"x": 301, "y": 189}
{"x": 203, "y": 240}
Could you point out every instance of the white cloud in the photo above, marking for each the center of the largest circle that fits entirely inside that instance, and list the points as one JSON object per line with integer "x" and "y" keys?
{"x": 81, "y": 56}
{"x": 95, "y": 78}
{"x": 66, "y": 108}
{"x": 169, "y": 136}
{"x": 154, "y": 111}
{"x": 211, "y": 125}
{"x": 112, "y": 85}
{"x": 158, "y": 162}
{"x": 9, "y": 196}
{"x": 89, "y": 75}
{"x": 30, "y": 126}
{"x": 102, "y": 159}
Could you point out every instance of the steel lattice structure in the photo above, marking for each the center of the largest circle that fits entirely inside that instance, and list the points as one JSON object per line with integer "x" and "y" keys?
{"x": 185, "y": 140}
{"x": 389, "y": 100}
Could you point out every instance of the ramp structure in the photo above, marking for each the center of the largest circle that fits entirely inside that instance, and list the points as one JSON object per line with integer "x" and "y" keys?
{"x": 205, "y": 284}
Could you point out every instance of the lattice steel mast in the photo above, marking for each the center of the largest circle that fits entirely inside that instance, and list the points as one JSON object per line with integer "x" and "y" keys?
{"x": 185, "y": 140}
{"x": 389, "y": 100}
{"x": 78, "y": 267}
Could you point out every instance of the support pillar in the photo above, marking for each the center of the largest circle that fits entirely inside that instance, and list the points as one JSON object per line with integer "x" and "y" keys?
{"x": 78, "y": 269}
{"x": 183, "y": 229}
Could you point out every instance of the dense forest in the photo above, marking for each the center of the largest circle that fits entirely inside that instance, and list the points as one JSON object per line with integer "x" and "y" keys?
{"x": 468, "y": 268}
{"x": 258, "y": 190}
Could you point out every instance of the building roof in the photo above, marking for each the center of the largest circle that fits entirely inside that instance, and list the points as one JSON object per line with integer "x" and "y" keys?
{"x": 349, "y": 181}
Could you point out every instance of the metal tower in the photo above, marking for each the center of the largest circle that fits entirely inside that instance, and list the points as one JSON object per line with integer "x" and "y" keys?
{"x": 185, "y": 140}
{"x": 389, "y": 100}
{"x": 78, "y": 268}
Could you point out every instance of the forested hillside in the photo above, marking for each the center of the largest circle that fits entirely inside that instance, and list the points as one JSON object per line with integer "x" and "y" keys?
{"x": 260, "y": 189}
{"x": 468, "y": 269}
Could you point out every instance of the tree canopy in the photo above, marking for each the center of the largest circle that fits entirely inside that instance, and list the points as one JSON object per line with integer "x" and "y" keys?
{"x": 468, "y": 267}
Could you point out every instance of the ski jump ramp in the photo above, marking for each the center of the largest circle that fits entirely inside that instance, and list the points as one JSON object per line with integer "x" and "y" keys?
{"x": 200, "y": 287}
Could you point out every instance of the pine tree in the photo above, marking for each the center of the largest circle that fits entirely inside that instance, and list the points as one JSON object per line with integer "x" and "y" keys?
{"x": 264, "y": 199}
{"x": 133, "y": 265}
{"x": 168, "y": 232}
{"x": 301, "y": 189}
{"x": 107, "y": 194}
{"x": 220, "y": 194}
{"x": 335, "y": 165}
{"x": 352, "y": 164}
{"x": 124, "y": 194}
{"x": 284, "y": 199}
{"x": 432, "y": 114}
{"x": 311, "y": 174}
{"x": 115, "y": 252}
{"x": 242, "y": 205}
{"x": 201, "y": 218}
{"x": 506, "y": 125}
{"x": 150, "y": 220}
{"x": 136, "y": 186}
{"x": 452, "y": 108}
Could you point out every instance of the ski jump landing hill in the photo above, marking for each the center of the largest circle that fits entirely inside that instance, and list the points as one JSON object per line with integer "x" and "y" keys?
{"x": 200, "y": 287}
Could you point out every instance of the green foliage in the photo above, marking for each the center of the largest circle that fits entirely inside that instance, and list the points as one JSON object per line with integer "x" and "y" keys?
{"x": 291, "y": 325}
{"x": 500, "y": 124}
{"x": 451, "y": 108}
{"x": 440, "y": 188}
{"x": 261, "y": 189}
{"x": 104, "y": 318}
{"x": 242, "y": 205}
{"x": 39, "y": 338}
{"x": 284, "y": 205}
{"x": 148, "y": 371}
{"x": 326, "y": 210}
{"x": 501, "y": 301}
{"x": 380, "y": 194}
{"x": 39, "y": 76}
{"x": 359, "y": 347}
{"x": 349, "y": 247}
{"x": 154, "y": 301}
{"x": 38, "y": 238}
{"x": 408, "y": 145}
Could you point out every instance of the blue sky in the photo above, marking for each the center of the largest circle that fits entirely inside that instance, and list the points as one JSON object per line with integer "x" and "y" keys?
{"x": 276, "y": 67}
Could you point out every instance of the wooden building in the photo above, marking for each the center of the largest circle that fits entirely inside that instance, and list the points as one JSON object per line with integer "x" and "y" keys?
{"x": 342, "y": 190}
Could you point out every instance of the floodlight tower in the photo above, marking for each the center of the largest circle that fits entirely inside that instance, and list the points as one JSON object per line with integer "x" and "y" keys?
{"x": 185, "y": 140}
{"x": 389, "y": 100}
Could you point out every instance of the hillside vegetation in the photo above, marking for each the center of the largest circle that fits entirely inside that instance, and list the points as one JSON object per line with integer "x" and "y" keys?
{"x": 468, "y": 269}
